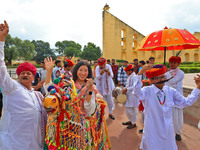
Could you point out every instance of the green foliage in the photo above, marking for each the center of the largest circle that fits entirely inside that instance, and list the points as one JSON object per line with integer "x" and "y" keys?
{"x": 68, "y": 48}
{"x": 91, "y": 52}
{"x": 190, "y": 69}
{"x": 42, "y": 50}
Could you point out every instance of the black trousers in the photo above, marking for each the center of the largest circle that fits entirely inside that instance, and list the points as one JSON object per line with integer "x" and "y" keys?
{"x": 1, "y": 104}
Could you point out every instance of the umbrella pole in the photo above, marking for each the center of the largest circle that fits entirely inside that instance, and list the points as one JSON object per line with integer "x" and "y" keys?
{"x": 165, "y": 55}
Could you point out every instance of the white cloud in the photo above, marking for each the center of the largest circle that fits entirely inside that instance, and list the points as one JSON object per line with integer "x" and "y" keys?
{"x": 81, "y": 21}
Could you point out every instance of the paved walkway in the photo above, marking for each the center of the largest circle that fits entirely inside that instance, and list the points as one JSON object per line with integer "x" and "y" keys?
{"x": 189, "y": 79}
{"x": 130, "y": 139}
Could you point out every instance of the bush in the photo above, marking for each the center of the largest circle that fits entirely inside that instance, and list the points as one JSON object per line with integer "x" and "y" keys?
{"x": 190, "y": 69}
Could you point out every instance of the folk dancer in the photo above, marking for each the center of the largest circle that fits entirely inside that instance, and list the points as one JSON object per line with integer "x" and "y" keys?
{"x": 23, "y": 124}
{"x": 104, "y": 84}
{"x": 131, "y": 105}
{"x": 158, "y": 102}
{"x": 176, "y": 83}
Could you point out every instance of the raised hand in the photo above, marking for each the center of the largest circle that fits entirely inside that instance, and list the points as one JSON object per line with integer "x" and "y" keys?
{"x": 49, "y": 63}
{"x": 4, "y": 29}
{"x": 197, "y": 81}
{"x": 89, "y": 84}
{"x": 145, "y": 68}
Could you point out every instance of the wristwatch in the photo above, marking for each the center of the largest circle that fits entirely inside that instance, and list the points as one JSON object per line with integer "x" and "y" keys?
{"x": 90, "y": 93}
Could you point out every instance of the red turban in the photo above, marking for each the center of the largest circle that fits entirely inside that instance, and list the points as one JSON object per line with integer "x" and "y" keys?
{"x": 69, "y": 62}
{"x": 101, "y": 61}
{"x": 156, "y": 71}
{"x": 26, "y": 67}
{"x": 175, "y": 59}
{"x": 129, "y": 67}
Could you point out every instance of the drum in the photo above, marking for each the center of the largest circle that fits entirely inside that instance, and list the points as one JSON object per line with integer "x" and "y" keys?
{"x": 119, "y": 97}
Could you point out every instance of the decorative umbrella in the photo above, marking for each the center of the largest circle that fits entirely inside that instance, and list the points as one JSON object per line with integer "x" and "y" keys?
{"x": 169, "y": 39}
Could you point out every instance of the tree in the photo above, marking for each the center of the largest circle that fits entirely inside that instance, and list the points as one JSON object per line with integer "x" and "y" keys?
{"x": 11, "y": 48}
{"x": 42, "y": 50}
{"x": 26, "y": 50}
{"x": 91, "y": 52}
{"x": 68, "y": 48}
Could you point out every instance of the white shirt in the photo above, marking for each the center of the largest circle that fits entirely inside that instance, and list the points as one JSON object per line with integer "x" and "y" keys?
{"x": 176, "y": 81}
{"x": 20, "y": 126}
{"x": 103, "y": 80}
{"x": 158, "y": 125}
{"x": 56, "y": 72}
{"x": 132, "y": 100}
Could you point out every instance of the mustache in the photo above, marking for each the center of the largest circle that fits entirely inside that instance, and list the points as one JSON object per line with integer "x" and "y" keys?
{"x": 25, "y": 77}
{"x": 163, "y": 81}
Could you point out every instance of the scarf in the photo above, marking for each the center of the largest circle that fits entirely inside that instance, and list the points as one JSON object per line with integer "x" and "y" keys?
{"x": 40, "y": 99}
{"x": 173, "y": 72}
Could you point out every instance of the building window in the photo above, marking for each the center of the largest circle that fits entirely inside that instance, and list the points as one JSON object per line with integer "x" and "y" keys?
{"x": 186, "y": 57}
{"x": 196, "y": 57}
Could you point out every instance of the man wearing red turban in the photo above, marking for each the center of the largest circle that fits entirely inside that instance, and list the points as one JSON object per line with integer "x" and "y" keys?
{"x": 24, "y": 120}
{"x": 105, "y": 84}
{"x": 131, "y": 105}
{"x": 176, "y": 83}
{"x": 158, "y": 101}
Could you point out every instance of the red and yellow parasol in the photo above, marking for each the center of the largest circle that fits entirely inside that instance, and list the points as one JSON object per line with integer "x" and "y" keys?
{"x": 169, "y": 39}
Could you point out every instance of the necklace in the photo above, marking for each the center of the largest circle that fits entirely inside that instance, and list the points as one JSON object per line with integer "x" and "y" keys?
{"x": 162, "y": 103}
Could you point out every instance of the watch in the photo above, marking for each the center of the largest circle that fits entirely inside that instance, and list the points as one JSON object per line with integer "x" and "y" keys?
{"x": 90, "y": 92}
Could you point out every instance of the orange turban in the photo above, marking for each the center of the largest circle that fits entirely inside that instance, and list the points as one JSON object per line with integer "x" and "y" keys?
{"x": 26, "y": 67}
{"x": 146, "y": 82}
{"x": 101, "y": 61}
{"x": 156, "y": 71}
{"x": 69, "y": 62}
{"x": 129, "y": 67}
{"x": 175, "y": 59}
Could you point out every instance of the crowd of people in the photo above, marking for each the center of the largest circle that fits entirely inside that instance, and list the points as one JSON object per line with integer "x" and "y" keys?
{"x": 23, "y": 123}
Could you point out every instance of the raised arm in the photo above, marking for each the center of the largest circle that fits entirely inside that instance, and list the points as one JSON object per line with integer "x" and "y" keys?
{"x": 181, "y": 101}
{"x": 49, "y": 64}
{"x": 6, "y": 82}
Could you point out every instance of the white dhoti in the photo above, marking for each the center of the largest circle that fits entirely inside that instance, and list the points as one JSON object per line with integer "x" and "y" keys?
{"x": 110, "y": 103}
{"x": 132, "y": 114}
{"x": 177, "y": 119}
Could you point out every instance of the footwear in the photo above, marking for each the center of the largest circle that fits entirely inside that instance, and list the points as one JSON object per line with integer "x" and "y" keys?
{"x": 131, "y": 126}
{"x": 178, "y": 137}
{"x": 126, "y": 123}
{"x": 112, "y": 117}
{"x": 141, "y": 131}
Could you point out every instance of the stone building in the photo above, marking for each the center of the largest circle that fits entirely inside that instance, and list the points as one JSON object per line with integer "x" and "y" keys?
{"x": 120, "y": 42}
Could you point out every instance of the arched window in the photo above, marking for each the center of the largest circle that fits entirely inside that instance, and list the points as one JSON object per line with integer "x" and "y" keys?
{"x": 196, "y": 57}
{"x": 186, "y": 57}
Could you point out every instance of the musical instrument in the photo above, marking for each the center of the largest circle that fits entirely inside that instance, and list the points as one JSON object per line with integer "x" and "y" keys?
{"x": 119, "y": 97}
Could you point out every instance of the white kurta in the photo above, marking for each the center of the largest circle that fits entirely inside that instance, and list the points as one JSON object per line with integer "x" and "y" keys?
{"x": 102, "y": 78}
{"x": 176, "y": 83}
{"x": 158, "y": 125}
{"x": 132, "y": 100}
{"x": 20, "y": 126}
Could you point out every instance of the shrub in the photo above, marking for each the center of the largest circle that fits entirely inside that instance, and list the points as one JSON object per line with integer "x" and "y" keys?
{"x": 190, "y": 69}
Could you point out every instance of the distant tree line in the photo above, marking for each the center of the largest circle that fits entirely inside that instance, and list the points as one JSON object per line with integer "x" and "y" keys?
{"x": 16, "y": 49}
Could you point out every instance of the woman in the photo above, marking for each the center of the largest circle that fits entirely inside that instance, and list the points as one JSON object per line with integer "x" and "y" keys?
{"x": 82, "y": 76}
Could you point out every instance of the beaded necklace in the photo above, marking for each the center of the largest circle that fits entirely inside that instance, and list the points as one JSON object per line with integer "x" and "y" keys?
{"x": 162, "y": 103}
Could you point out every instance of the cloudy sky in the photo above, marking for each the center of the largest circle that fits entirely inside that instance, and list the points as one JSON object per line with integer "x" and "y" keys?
{"x": 81, "y": 20}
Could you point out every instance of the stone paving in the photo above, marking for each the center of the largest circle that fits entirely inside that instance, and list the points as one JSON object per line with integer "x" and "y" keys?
{"x": 130, "y": 139}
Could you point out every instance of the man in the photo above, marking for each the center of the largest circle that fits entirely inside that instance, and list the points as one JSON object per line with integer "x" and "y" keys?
{"x": 136, "y": 66}
{"x": 22, "y": 126}
{"x": 43, "y": 73}
{"x": 108, "y": 61}
{"x": 68, "y": 67}
{"x": 121, "y": 75}
{"x": 151, "y": 60}
{"x": 104, "y": 84}
{"x": 158, "y": 101}
{"x": 115, "y": 70}
{"x": 131, "y": 105}
{"x": 56, "y": 70}
{"x": 141, "y": 64}
{"x": 93, "y": 71}
{"x": 176, "y": 83}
